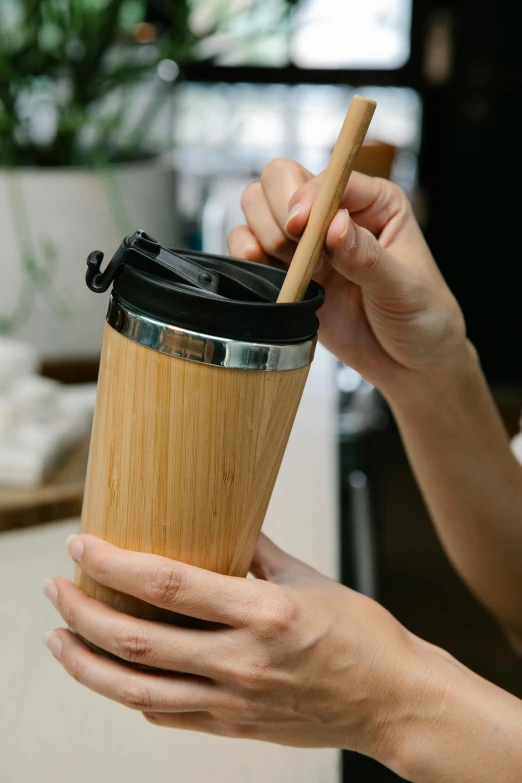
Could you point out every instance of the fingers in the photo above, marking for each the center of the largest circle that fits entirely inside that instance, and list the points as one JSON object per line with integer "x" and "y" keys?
{"x": 243, "y": 244}
{"x": 166, "y": 583}
{"x": 139, "y": 641}
{"x": 142, "y": 691}
{"x": 357, "y": 255}
{"x": 203, "y": 722}
{"x": 262, "y": 223}
{"x": 280, "y": 179}
{"x": 277, "y": 210}
{"x": 274, "y": 565}
{"x": 269, "y": 562}
{"x": 372, "y": 202}
{"x": 265, "y": 205}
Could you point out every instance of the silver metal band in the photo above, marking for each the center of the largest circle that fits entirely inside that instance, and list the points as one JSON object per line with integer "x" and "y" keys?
{"x": 195, "y": 347}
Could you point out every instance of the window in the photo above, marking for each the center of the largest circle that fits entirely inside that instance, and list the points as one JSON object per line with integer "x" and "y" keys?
{"x": 334, "y": 34}
{"x": 351, "y": 34}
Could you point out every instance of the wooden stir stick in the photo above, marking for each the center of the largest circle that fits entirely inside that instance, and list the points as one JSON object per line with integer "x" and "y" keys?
{"x": 328, "y": 197}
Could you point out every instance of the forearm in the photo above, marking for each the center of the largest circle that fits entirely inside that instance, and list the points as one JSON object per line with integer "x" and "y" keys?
{"x": 457, "y": 728}
{"x": 471, "y": 482}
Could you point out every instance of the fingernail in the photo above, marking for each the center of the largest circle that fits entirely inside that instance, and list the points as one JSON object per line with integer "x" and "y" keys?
{"x": 348, "y": 235}
{"x": 295, "y": 211}
{"x": 51, "y": 592}
{"x": 54, "y": 644}
{"x": 74, "y": 546}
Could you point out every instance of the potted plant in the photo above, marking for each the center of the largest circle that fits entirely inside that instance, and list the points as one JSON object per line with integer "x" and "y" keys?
{"x": 85, "y": 102}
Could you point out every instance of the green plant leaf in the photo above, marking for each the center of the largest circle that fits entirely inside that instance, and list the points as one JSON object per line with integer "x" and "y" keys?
{"x": 132, "y": 13}
{"x": 87, "y": 52}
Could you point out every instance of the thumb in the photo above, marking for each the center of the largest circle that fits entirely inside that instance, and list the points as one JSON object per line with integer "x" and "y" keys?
{"x": 274, "y": 565}
{"x": 357, "y": 255}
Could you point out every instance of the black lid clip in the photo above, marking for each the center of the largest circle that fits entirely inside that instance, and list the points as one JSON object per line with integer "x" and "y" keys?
{"x": 212, "y": 277}
{"x": 143, "y": 252}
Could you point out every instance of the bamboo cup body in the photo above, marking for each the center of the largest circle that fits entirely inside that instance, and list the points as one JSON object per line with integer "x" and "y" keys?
{"x": 183, "y": 459}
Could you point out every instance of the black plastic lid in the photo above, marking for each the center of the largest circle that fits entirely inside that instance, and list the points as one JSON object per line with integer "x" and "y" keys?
{"x": 214, "y": 295}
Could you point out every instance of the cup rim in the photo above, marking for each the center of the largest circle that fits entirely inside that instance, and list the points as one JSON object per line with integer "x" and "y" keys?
{"x": 182, "y": 343}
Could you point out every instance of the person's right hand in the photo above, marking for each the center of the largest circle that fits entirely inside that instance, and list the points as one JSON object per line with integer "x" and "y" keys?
{"x": 388, "y": 311}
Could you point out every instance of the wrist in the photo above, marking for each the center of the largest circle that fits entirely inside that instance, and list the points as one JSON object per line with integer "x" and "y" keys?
{"x": 454, "y": 725}
{"x": 418, "y": 730}
{"x": 408, "y": 697}
{"x": 409, "y": 712}
{"x": 456, "y": 373}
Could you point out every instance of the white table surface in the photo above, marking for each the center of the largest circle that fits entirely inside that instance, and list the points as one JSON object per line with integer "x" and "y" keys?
{"x": 54, "y": 731}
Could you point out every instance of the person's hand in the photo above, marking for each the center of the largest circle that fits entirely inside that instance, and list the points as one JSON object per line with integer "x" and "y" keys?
{"x": 298, "y": 660}
{"x": 388, "y": 310}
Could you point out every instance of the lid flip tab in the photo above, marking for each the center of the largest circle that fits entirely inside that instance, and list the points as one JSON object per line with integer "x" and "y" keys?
{"x": 144, "y": 253}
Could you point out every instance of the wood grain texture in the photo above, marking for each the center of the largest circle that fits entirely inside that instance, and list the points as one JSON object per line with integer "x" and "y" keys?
{"x": 333, "y": 185}
{"x": 183, "y": 459}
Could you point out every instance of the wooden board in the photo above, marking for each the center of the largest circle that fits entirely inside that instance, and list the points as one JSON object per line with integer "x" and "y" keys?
{"x": 58, "y": 498}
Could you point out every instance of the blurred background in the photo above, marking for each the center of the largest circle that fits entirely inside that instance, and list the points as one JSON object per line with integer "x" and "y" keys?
{"x": 125, "y": 114}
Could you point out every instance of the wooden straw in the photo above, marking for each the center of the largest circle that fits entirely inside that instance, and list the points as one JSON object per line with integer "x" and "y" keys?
{"x": 328, "y": 197}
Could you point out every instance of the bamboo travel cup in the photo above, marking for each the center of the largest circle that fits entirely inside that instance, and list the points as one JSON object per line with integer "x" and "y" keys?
{"x": 200, "y": 380}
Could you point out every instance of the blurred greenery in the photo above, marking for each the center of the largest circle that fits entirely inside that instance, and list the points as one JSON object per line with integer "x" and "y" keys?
{"x": 68, "y": 69}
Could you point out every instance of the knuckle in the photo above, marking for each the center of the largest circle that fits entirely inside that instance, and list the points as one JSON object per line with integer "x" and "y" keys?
{"x": 275, "y": 243}
{"x": 132, "y": 644}
{"x": 136, "y": 696}
{"x": 398, "y": 199}
{"x": 234, "y": 237}
{"x": 77, "y": 669}
{"x": 237, "y": 730}
{"x": 251, "y": 711}
{"x": 392, "y": 202}
{"x": 250, "y": 195}
{"x": 278, "y": 617}
{"x": 371, "y": 255}
{"x": 242, "y": 243}
{"x": 245, "y": 731}
{"x": 70, "y": 616}
{"x": 400, "y": 195}
{"x": 100, "y": 569}
{"x": 277, "y": 168}
{"x": 392, "y": 189}
{"x": 153, "y": 717}
{"x": 163, "y": 585}
{"x": 255, "y": 674}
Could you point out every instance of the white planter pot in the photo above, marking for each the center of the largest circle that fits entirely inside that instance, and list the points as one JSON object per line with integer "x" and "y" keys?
{"x": 51, "y": 219}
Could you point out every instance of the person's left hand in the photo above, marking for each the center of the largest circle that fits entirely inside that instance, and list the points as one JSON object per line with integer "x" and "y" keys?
{"x": 298, "y": 660}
